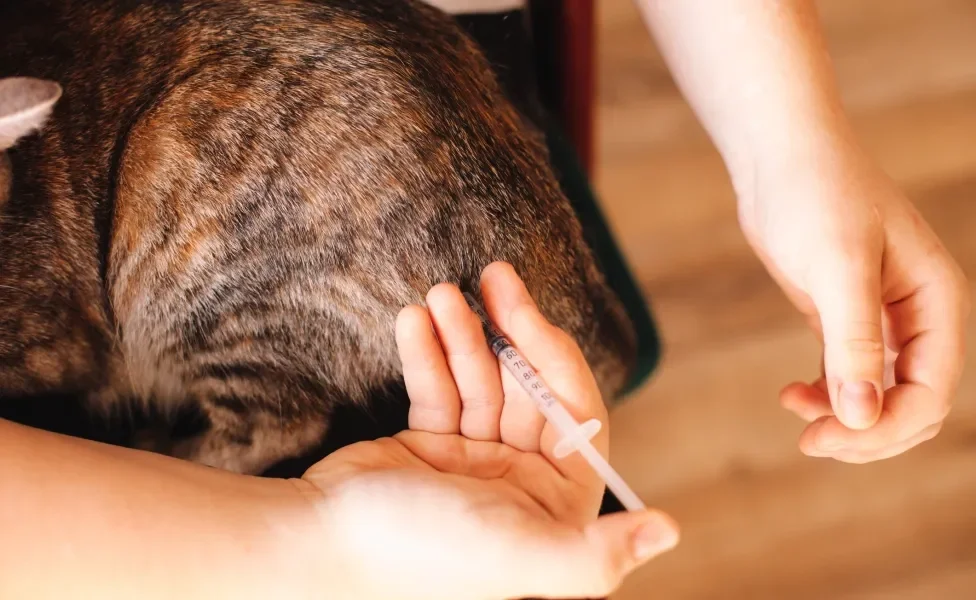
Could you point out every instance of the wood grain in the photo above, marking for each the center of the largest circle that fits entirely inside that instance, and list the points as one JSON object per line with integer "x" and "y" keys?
{"x": 706, "y": 439}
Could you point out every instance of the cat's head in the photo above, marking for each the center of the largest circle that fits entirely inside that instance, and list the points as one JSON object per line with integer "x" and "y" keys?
{"x": 25, "y": 105}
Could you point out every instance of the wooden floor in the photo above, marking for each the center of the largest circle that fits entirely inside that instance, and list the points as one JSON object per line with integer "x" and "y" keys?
{"x": 706, "y": 439}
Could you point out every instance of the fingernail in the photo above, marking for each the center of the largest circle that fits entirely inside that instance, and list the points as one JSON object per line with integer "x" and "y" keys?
{"x": 858, "y": 403}
{"x": 653, "y": 538}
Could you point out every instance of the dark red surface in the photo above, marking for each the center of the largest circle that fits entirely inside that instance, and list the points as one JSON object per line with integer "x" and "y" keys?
{"x": 578, "y": 47}
{"x": 565, "y": 43}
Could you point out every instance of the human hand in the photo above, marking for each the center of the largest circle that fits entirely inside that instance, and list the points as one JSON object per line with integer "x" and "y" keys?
{"x": 883, "y": 295}
{"x": 470, "y": 502}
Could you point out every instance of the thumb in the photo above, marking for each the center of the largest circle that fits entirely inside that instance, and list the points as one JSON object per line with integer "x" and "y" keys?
{"x": 847, "y": 293}
{"x": 594, "y": 564}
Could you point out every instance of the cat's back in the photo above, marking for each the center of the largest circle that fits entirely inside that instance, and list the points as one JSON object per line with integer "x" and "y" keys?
{"x": 320, "y": 166}
{"x": 269, "y": 181}
{"x": 167, "y": 103}
{"x": 115, "y": 59}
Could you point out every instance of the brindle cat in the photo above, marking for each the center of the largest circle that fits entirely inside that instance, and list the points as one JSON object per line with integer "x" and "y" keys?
{"x": 228, "y": 202}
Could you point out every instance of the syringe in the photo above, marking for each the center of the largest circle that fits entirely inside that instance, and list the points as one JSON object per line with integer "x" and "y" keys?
{"x": 574, "y": 437}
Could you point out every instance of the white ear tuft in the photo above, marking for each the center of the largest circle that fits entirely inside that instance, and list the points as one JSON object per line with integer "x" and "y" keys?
{"x": 25, "y": 105}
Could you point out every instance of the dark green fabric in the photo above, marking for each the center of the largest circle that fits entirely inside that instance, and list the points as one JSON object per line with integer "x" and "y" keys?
{"x": 576, "y": 186}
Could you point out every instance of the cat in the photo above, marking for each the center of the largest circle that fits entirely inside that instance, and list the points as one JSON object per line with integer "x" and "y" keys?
{"x": 225, "y": 205}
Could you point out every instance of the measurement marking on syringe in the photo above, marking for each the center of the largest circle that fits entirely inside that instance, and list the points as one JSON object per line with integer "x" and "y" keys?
{"x": 574, "y": 437}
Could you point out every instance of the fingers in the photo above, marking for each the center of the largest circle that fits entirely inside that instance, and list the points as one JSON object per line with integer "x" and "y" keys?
{"x": 929, "y": 328}
{"x": 459, "y": 455}
{"x": 568, "y": 564}
{"x": 896, "y": 431}
{"x": 435, "y": 405}
{"x": 474, "y": 368}
{"x": 927, "y": 307}
{"x": 846, "y": 288}
{"x": 928, "y": 304}
{"x": 453, "y": 378}
{"x": 533, "y": 474}
{"x": 809, "y": 402}
{"x": 890, "y": 451}
{"x": 521, "y": 423}
{"x": 909, "y": 409}
{"x": 558, "y": 361}
{"x": 503, "y": 292}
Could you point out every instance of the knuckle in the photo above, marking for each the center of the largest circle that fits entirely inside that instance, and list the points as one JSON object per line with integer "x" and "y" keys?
{"x": 870, "y": 346}
{"x": 865, "y": 344}
{"x": 431, "y": 409}
{"x": 421, "y": 363}
{"x": 457, "y": 354}
{"x": 855, "y": 337}
{"x": 480, "y": 401}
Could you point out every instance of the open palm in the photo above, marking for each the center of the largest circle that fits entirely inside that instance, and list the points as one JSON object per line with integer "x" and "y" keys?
{"x": 471, "y": 497}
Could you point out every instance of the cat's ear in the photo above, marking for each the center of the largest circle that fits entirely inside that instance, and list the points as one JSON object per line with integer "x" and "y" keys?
{"x": 25, "y": 105}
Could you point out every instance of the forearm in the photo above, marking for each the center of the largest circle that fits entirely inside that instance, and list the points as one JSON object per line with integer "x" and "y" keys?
{"x": 757, "y": 74}
{"x": 107, "y": 522}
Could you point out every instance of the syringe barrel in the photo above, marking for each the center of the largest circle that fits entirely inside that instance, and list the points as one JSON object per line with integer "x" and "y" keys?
{"x": 554, "y": 412}
{"x": 537, "y": 390}
{"x": 520, "y": 368}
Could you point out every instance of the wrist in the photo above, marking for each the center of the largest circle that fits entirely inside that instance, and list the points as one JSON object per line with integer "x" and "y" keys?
{"x": 270, "y": 541}
{"x": 759, "y": 164}
{"x": 297, "y": 545}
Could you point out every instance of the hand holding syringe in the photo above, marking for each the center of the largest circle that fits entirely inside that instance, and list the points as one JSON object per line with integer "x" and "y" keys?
{"x": 573, "y": 435}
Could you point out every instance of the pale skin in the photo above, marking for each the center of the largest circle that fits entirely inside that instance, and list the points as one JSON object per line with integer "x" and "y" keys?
{"x": 474, "y": 508}
{"x": 469, "y": 503}
{"x": 884, "y": 297}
